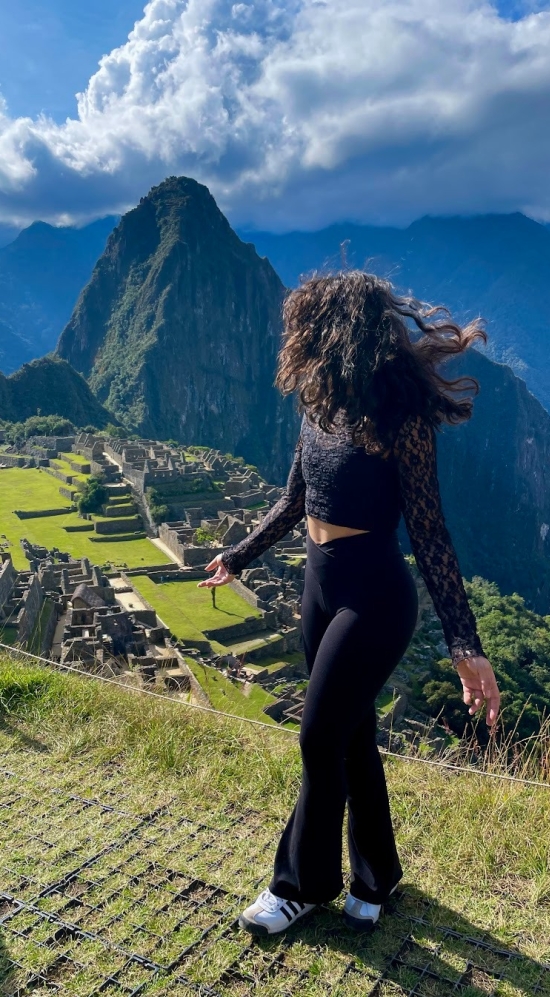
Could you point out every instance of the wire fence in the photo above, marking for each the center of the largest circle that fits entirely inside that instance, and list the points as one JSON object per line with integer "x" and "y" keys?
{"x": 503, "y": 776}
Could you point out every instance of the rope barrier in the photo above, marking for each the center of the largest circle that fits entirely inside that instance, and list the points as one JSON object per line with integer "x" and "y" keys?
{"x": 260, "y": 723}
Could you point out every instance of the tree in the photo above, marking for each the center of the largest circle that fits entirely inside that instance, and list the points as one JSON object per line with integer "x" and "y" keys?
{"x": 516, "y": 641}
{"x": 94, "y": 495}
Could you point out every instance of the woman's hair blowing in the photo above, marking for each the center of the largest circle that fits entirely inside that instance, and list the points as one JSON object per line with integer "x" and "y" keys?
{"x": 347, "y": 345}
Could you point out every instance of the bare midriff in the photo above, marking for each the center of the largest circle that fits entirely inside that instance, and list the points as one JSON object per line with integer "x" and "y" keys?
{"x": 320, "y": 531}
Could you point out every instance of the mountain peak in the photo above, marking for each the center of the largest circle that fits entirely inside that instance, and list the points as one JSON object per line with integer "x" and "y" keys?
{"x": 179, "y": 328}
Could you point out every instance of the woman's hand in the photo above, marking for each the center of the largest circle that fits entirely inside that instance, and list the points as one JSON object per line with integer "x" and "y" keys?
{"x": 479, "y": 683}
{"x": 221, "y": 577}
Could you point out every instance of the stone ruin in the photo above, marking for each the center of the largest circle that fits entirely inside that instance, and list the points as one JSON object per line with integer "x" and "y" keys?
{"x": 86, "y": 624}
{"x": 22, "y": 599}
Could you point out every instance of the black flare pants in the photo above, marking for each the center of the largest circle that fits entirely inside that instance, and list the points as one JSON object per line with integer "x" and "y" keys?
{"x": 359, "y": 611}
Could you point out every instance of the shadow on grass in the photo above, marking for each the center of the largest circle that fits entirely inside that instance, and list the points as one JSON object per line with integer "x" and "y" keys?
{"x": 227, "y": 613}
{"x": 20, "y": 738}
{"x": 419, "y": 947}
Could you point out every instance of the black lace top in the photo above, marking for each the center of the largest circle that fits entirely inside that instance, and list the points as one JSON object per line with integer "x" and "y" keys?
{"x": 339, "y": 483}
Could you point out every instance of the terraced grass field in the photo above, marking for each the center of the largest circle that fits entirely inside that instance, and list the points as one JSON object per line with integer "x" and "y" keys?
{"x": 31, "y": 488}
{"x": 188, "y": 611}
{"x": 184, "y": 608}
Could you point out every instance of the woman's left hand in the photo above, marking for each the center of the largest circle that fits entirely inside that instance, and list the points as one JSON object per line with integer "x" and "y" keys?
{"x": 222, "y": 576}
{"x": 479, "y": 683}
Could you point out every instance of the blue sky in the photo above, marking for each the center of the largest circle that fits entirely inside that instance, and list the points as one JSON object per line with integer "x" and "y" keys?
{"x": 296, "y": 113}
{"x": 48, "y": 51}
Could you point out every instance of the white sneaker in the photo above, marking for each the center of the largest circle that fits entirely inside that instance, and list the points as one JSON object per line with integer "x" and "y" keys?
{"x": 270, "y": 914}
{"x": 360, "y": 914}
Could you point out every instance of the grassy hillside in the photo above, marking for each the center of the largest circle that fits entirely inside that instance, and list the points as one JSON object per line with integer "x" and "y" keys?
{"x": 134, "y": 831}
{"x": 47, "y": 386}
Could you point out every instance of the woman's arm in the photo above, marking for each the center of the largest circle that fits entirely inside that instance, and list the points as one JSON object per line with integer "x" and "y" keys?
{"x": 275, "y": 525}
{"x": 415, "y": 451}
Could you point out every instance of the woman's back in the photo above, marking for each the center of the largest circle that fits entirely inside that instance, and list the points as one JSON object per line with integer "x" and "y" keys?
{"x": 346, "y": 484}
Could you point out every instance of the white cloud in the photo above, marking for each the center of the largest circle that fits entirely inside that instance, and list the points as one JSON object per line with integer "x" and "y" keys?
{"x": 297, "y": 114}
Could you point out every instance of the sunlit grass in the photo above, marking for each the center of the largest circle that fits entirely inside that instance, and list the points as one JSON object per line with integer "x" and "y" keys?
{"x": 474, "y": 850}
{"x": 32, "y": 488}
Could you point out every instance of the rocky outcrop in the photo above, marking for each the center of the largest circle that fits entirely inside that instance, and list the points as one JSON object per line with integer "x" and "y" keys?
{"x": 179, "y": 328}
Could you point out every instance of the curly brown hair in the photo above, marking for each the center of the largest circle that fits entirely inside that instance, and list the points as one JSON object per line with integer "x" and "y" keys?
{"x": 347, "y": 347}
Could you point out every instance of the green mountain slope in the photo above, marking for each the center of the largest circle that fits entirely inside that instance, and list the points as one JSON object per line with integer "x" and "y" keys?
{"x": 50, "y": 386}
{"x": 495, "y": 482}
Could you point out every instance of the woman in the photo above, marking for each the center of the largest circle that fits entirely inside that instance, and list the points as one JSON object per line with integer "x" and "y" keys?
{"x": 371, "y": 401}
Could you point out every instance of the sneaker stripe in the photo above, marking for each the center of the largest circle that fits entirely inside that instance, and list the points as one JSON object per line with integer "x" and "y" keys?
{"x": 288, "y": 916}
{"x": 294, "y": 906}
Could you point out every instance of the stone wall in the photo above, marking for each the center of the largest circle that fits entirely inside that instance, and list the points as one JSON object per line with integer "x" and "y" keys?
{"x": 78, "y": 466}
{"x": 245, "y": 593}
{"x": 32, "y": 604}
{"x": 284, "y": 644}
{"x": 61, "y": 476}
{"x": 39, "y": 513}
{"x": 119, "y": 511}
{"x": 194, "y": 557}
{"x": 46, "y": 638}
{"x": 8, "y": 575}
{"x": 232, "y": 633}
{"x": 58, "y": 443}
{"x": 107, "y": 527}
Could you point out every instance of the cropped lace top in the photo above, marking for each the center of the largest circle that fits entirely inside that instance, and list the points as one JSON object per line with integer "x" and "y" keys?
{"x": 337, "y": 482}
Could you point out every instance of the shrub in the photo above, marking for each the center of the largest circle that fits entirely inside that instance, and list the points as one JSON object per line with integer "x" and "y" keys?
{"x": 201, "y": 536}
{"x": 160, "y": 512}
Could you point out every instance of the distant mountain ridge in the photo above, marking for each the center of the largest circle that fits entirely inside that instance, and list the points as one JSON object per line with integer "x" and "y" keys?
{"x": 41, "y": 275}
{"x": 179, "y": 328}
{"x": 494, "y": 265}
{"x": 497, "y": 266}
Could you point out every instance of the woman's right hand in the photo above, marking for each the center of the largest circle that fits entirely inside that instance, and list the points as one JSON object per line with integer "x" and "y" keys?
{"x": 222, "y": 576}
{"x": 479, "y": 683}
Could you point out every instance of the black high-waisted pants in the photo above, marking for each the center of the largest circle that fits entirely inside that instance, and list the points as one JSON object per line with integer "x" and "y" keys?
{"x": 359, "y": 610}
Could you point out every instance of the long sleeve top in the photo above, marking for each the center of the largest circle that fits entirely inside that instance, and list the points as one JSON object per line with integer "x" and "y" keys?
{"x": 343, "y": 484}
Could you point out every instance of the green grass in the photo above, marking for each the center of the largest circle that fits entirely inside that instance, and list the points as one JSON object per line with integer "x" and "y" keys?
{"x": 75, "y": 457}
{"x": 226, "y": 696}
{"x": 385, "y": 702}
{"x": 187, "y": 610}
{"x": 31, "y": 488}
{"x": 291, "y": 657}
{"x": 8, "y": 634}
{"x": 65, "y": 468}
{"x": 216, "y": 793}
{"x": 242, "y": 646}
{"x": 296, "y": 561}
